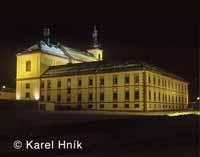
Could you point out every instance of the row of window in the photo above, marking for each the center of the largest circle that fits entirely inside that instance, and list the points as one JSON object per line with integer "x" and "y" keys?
{"x": 90, "y": 96}
{"x": 164, "y": 106}
{"x": 165, "y": 97}
{"x": 167, "y": 83}
{"x": 90, "y": 81}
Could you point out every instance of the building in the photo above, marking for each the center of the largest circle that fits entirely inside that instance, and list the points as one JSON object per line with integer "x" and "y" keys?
{"x": 91, "y": 83}
{"x": 7, "y": 93}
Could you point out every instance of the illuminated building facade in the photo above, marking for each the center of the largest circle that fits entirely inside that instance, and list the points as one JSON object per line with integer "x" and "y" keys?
{"x": 91, "y": 83}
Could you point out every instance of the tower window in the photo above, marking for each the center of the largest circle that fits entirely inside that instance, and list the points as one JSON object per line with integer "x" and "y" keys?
{"x": 27, "y": 95}
{"x": 27, "y": 85}
{"x": 28, "y": 66}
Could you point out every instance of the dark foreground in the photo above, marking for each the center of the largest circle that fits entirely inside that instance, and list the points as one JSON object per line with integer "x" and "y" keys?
{"x": 101, "y": 135}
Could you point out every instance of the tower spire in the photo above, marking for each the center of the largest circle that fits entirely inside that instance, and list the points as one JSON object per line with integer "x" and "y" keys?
{"x": 95, "y": 38}
{"x": 46, "y": 35}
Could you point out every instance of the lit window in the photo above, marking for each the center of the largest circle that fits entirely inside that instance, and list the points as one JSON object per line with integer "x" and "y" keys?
{"x": 28, "y": 66}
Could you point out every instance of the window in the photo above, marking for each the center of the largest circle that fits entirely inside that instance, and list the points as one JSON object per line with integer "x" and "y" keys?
{"x": 136, "y": 105}
{"x": 154, "y": 80}
{"x": 137, "y": 95}
{"x": 127, "y": 95}
{"x": 42, "y": 84}
{"x": 101, "y": 105}
{"x": 27, "y": 95}
{"x": 115, "y": 79}
{"x": 42, "y": 97}
{"x": 79, "y": 82}
{"x": 154, "y": 96}
{"x": 79, "y": 97}
{"x": 136, "y": 78}
{"x": 59, "y": 84}
{"x": 58, "y": 98}
{"x": 159, "y": 96}
{"x": 159, "y": 82}
{"x": 115, "y": 96}
{"x": 48, "y": 97}
{"x": 68, "y": 90}
{"x": 90, "y": 97}
{"x": 126, "y": 105}
{"x": 149, "y": 95}
{"x": 68, "y": 82}
{"x": 126, "y": 79}
{"x": 28, "y": 66}
{"x": 68, "y": 99}
{"x": 90, "y": 106}
{"x": 101, "y": 96}
{"x": 115, "y": 105}
{"x": 149, "y": 79}
{"x": 101, "y": 81}
{"x": 90, "y": 82}
{"x": 27, "y": 85}
{"x": 48, "y": 84}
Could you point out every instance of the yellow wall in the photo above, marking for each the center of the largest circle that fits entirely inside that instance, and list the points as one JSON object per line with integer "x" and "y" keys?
{"x": 108, "y": 88}
{"x": 39, "y": 63}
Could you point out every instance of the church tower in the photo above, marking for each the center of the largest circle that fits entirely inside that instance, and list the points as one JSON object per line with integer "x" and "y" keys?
{"x": 96, "y": 51}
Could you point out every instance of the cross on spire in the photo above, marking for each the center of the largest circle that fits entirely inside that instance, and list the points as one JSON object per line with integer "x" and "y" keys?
{"x": 96, "y": 44}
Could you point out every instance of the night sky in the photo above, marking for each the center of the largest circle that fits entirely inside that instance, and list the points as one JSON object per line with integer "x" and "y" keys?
{"x": 163, "y": 39}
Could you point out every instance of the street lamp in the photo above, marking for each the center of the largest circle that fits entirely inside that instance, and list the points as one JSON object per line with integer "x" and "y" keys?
{"x": 4, "y": 87}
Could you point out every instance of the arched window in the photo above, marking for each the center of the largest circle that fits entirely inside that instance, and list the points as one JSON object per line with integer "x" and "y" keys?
{"x": 28, "y": 66}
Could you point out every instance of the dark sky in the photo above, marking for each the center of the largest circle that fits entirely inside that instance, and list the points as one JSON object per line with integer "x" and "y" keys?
{"x": 166, "y": 39}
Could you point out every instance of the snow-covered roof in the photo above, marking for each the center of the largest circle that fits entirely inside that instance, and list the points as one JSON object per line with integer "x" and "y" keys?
{"x": 63, "y": 51}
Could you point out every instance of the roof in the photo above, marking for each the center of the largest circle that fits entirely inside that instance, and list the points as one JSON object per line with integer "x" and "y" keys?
{"x": 61, "y": 51}
{"x": 103, "y": 67}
